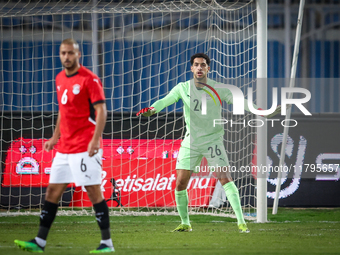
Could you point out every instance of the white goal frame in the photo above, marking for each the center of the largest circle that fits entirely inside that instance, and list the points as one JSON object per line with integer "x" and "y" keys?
{"x": 261, "y": 96}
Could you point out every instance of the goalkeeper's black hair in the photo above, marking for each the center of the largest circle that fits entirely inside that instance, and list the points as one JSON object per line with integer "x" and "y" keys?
{"x": 200, "y": 55}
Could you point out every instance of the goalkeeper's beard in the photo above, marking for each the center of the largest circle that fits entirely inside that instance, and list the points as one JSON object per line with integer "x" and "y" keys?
{"x": 202, "y": 80}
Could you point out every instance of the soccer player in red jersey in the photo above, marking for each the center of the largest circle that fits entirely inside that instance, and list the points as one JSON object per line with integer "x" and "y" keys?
{"x": 81, "y": 121}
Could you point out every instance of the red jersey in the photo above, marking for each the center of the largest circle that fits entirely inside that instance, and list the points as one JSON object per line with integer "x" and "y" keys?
{"x": 76, "y": 96}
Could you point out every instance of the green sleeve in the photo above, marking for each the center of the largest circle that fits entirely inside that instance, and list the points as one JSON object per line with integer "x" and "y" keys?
{"x": 169, "y": 99}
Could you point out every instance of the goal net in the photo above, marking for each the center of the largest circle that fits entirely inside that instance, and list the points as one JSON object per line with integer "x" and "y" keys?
{"x": 140, "y": 50}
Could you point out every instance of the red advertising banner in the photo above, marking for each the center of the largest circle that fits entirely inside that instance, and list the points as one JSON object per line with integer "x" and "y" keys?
{"x": 136, "y": 172}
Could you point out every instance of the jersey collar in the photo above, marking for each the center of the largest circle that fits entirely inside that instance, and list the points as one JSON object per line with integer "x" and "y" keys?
{"x": 69, "y": 76}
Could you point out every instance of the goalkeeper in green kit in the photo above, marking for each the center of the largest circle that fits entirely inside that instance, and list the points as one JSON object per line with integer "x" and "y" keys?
{"x": 202, "y": 139}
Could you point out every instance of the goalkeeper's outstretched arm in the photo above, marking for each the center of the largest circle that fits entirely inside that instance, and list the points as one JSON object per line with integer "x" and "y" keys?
{"x": 229, "y": 100}
{"x": 159, "y": 105}
{"x": 277, "y": 110}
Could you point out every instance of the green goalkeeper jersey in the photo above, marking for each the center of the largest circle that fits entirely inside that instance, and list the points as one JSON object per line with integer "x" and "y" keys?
{"x": 200, "y": 128}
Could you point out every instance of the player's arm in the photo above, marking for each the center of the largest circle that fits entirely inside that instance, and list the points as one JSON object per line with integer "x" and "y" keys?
{"x": 159, "y": 105}
{"x": 55, "y": 137}
{"x": 229, "y": 99}
{"x": 101, "y": 115}
{"x": 277, "y": 110}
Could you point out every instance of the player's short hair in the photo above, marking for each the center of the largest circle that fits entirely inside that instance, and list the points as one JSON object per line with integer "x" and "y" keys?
{"x": 200, "y": 55}
{"x": 71, "y": 41}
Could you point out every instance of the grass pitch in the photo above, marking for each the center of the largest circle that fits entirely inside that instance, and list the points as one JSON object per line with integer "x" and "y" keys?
{"x": 291, "y": 231}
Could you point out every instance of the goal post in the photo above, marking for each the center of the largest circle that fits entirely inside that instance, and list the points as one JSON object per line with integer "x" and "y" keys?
{"x": 262, "y": 17}
{"x": 140, "y": 50}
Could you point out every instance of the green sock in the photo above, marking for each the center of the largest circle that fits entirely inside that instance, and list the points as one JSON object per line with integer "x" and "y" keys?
{"x": 234, "y": 199}
{"x": 182, "y": 201}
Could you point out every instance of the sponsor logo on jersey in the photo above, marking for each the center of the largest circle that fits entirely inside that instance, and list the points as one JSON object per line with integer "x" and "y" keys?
{"x": 210, "y": 94}
{"x": 76, "y": 89}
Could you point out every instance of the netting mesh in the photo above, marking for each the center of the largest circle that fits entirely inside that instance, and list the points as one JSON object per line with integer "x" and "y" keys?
{"x": 140, "y": 50}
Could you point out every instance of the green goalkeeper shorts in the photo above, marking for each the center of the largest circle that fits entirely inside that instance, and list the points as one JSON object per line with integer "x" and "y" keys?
{"x": 189, "y": 158}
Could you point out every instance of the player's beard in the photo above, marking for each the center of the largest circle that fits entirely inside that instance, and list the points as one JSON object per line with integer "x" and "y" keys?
{"x": 72, "y": 67}
{"x": 201, "y": 79}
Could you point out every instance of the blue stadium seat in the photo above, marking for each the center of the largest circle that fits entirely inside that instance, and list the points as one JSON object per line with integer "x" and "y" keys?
{"x": 332, "y": 18}
{"x": 118, "y": 20}
{"x": 105, "y": 21}
{"x": 72, "y": 20}
{"x": 12, "y": 22}
{"x": 275, "y": 20}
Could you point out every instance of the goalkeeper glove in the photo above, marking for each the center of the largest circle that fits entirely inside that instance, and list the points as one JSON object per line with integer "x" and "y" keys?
{"x": 147, "y": 112}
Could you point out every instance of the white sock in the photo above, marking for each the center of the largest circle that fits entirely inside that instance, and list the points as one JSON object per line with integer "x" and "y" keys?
{"x": 40, "y": 242}
{"x": 108, "y": 242}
